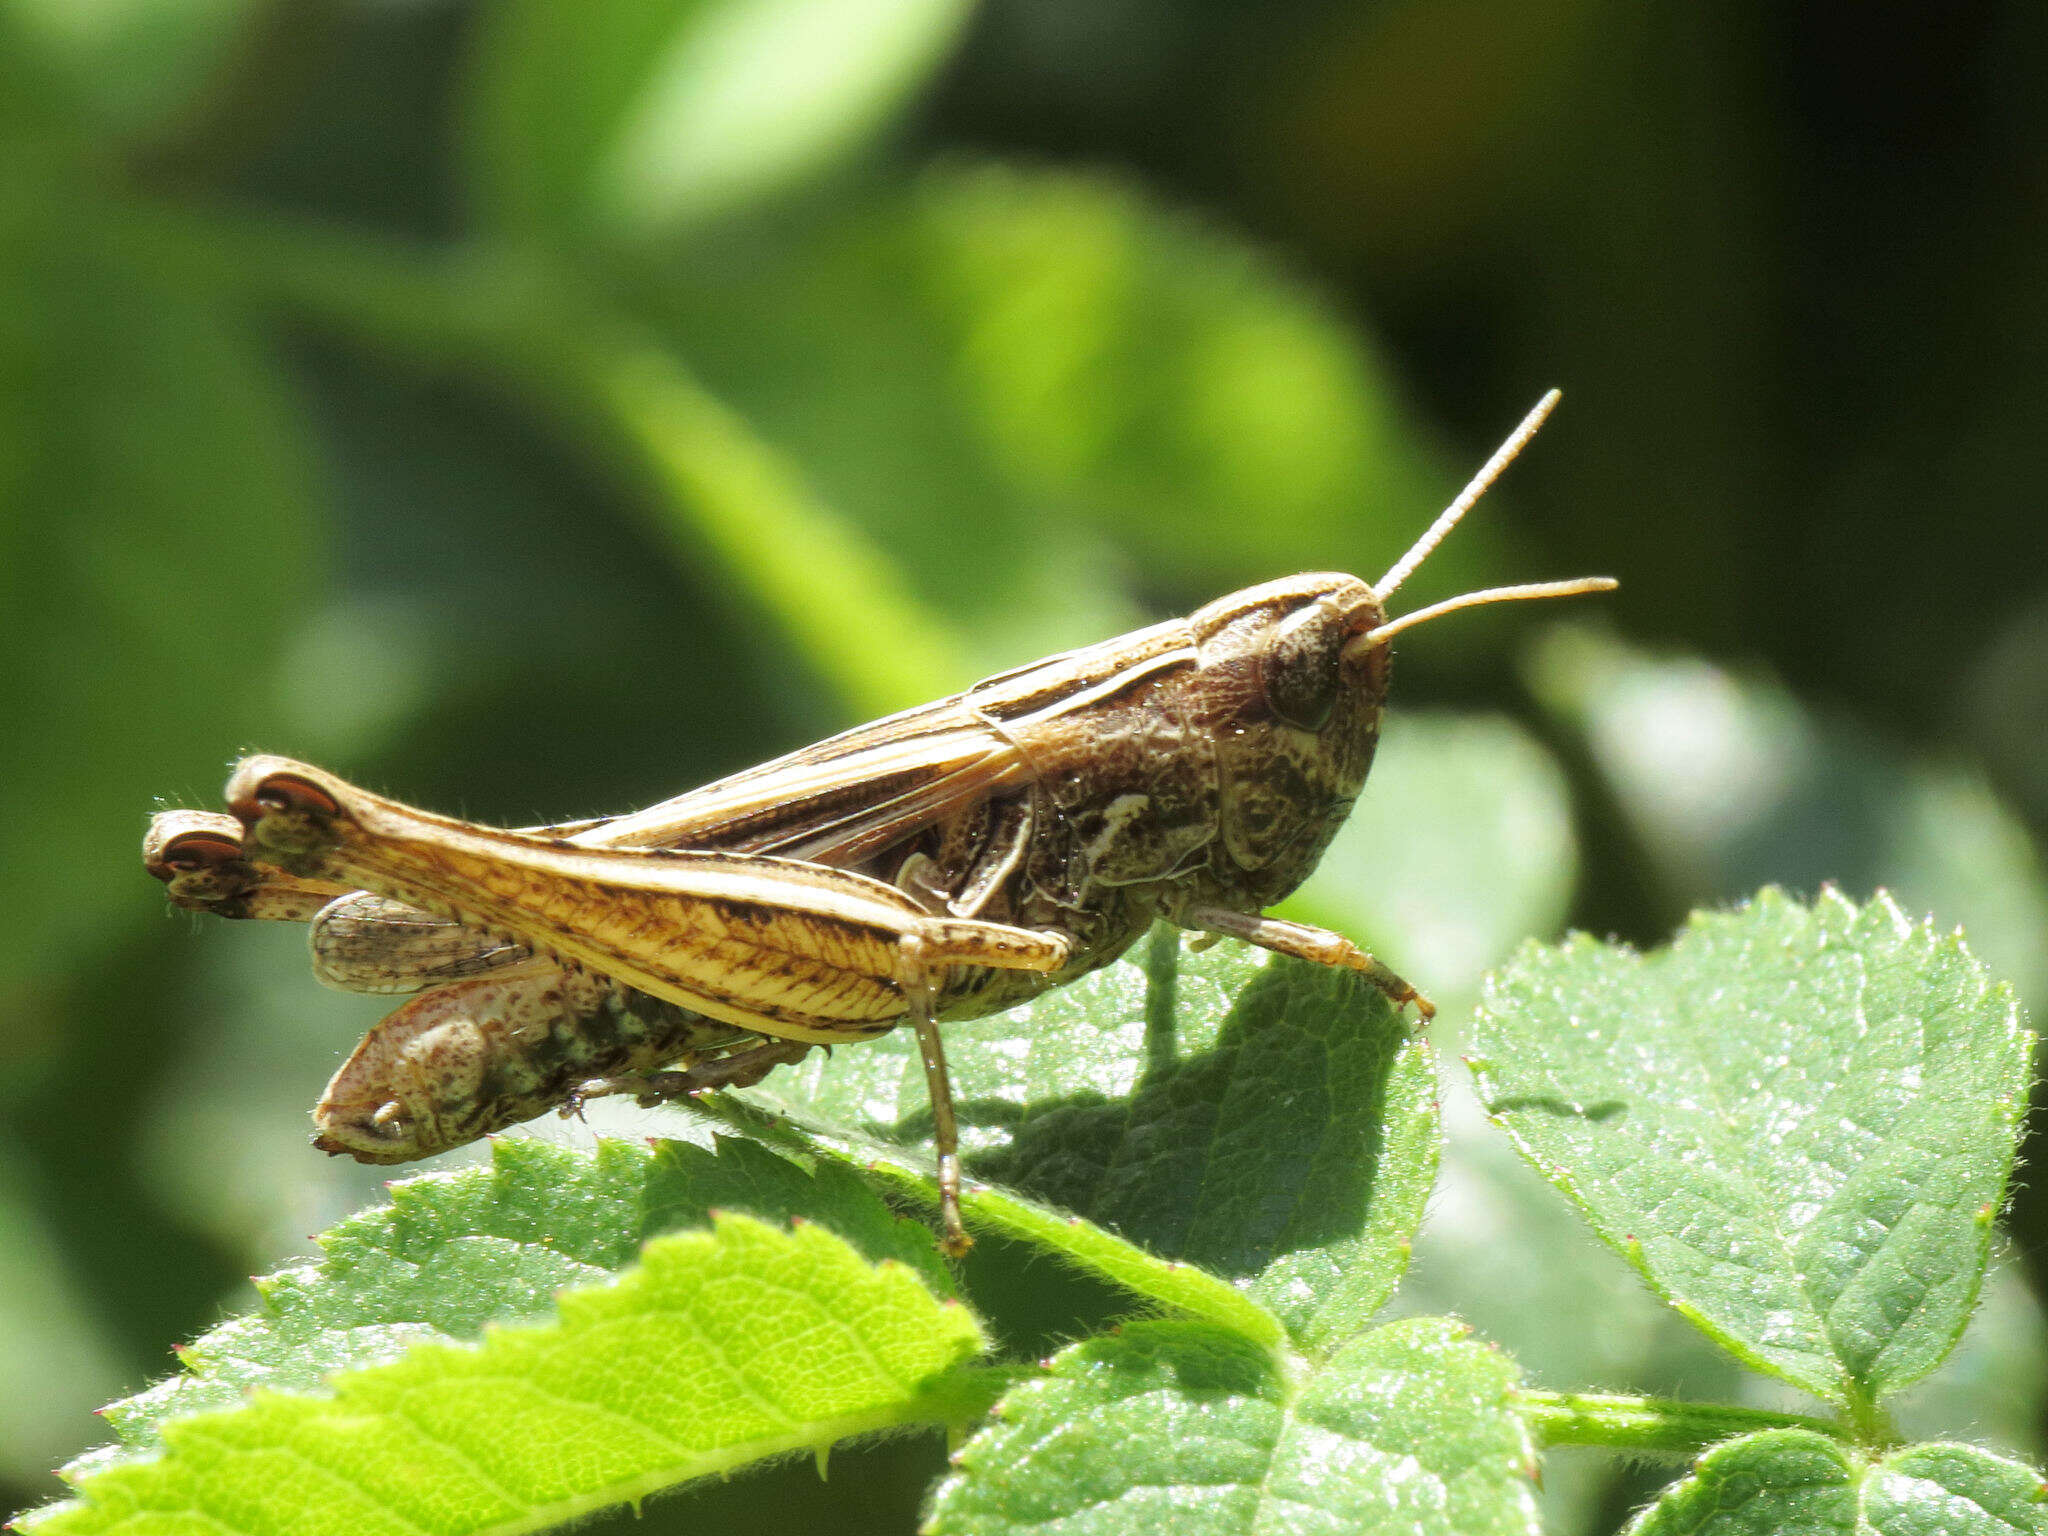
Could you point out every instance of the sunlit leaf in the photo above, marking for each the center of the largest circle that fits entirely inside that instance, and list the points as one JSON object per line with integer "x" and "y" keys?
{"x": 1790, "y": 1480}
{"x": 700, "y": 1352}
{"x": 1408, "y": 1429}
{"x": 715, "y": 1349}
{"x": 630, "y": 118}
{"x": 1271, "y": 1121}
{"x": 1797, "y": 1123}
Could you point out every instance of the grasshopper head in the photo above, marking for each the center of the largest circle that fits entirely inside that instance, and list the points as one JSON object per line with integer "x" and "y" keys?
{"x": 1296, "y": 637}
{"x": 1292, "y": 681}
{"x": 1290, "y": 703}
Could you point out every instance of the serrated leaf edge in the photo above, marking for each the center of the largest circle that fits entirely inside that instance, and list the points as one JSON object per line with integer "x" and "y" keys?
{"x": 1835, "y": 913}
{"x": 927, "y": 1402}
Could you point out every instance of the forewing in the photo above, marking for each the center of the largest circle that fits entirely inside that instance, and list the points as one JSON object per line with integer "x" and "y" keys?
{"x": 856, "y": 793}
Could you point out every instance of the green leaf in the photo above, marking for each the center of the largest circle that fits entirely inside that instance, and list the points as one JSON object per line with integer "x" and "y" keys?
{"x": 1271, "y": 1121}
{"x": 688, "y": 1185}
{"x": 453, "y": 1253}
{"x": 1184, "y": 1427}
{"x": 1165, "y": 1284}
{"x": 1991, "y": 1390}
{"x": 1797, "y": 1123}
{"x": 1793, "y": 1481}
{"x": 717, "y": 1349}
{"x": 1956, "y": 1490}
{"x": 450, "y": 1253}
{"x": 630, "y": 118}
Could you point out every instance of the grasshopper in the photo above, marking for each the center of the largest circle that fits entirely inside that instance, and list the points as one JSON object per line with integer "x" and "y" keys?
{"x": 942, "y": 863}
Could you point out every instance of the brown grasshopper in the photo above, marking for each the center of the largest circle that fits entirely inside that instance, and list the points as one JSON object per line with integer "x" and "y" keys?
{"x": 942, "y": 863}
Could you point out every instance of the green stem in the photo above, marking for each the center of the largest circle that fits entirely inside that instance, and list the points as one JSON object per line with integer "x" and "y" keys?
{"x": 1650, "y": 1426}
{"x": 1871, "y": 1424}
{"x": 697, "y": 465}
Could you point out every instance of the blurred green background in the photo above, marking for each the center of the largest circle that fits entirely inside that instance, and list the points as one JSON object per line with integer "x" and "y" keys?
{"x": 534, "y": 408}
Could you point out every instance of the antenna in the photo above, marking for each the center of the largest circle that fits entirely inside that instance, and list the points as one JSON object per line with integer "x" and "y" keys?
{"x": 1448, "y": 518}
{"x": 1393, "y": 627}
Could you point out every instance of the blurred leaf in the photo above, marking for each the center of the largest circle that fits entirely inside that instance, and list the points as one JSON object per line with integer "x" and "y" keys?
{"x": 129, "y": 66}
{"x": 1796, "y": 1123}
{"x": 716, "y": 1349}
{"x": 1041, "y": 388}
{"x": 222, "y": 1138}
{"x": 628, "y": 118}
{"x": 1128, "y": 363}
{"x": 1732, "y": 783}
{"x": 153, "y": 549}
{"x": 56, "y": 1364}
{"x": 1460, "y": 848}
{"x": 1269, "y": 1120}
{"x": 711, "y": 481}
{"x": 1183, "y": 1427}
{"x": 1794, "y": 1480}
{"x": 718, "y": 481}
{"x": 2007, "y": 698}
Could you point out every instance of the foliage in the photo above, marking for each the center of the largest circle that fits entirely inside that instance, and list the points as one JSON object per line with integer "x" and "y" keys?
{"x": 539, "y": 407}
{"x": 1796, "y": 1122}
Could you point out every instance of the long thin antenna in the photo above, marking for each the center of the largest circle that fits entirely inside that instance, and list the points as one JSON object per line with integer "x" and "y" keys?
{"x": 1448, "y": 518}
{"x": 1393, "y": 627}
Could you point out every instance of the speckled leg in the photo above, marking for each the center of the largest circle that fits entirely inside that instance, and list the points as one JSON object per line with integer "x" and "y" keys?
{"x": 1306, "y": 943}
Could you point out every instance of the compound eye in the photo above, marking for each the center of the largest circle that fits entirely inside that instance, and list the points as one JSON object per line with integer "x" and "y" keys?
{"x": 1302, "y": 666}
{"x": 289, "y": 792}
